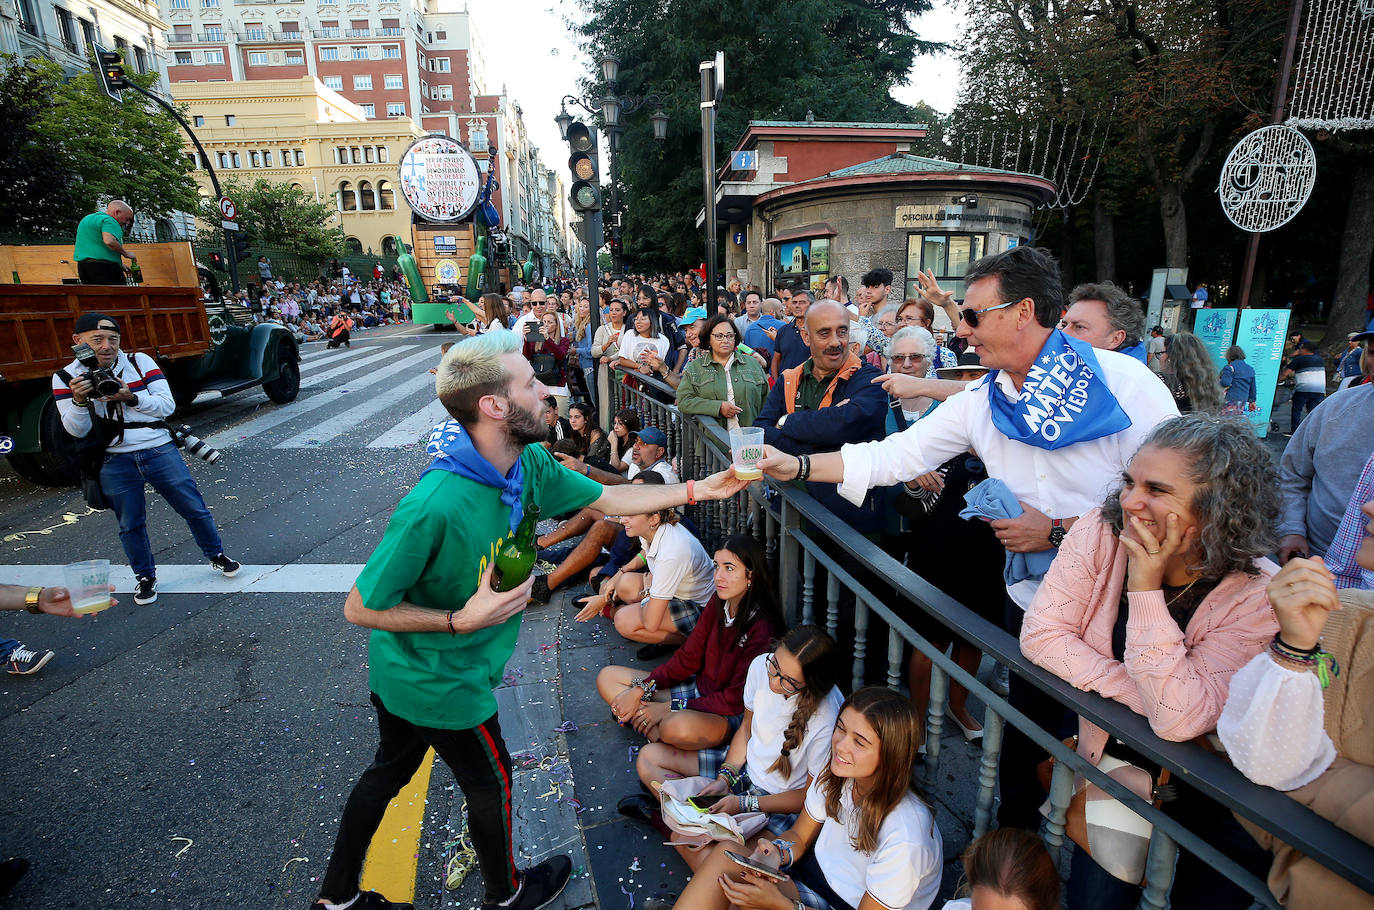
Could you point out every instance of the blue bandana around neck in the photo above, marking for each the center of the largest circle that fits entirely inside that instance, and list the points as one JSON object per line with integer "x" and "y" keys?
{"x": 1137, "y": 350}
{"x": 1063, "y": 400}
{"x": 452, "y": 450}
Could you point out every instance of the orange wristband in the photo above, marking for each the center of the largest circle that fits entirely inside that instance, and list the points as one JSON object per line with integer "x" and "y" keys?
{"x": 691, "y": 499}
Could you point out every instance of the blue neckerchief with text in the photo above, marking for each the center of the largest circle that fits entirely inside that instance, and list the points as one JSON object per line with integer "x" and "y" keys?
{"x": 1063, "y": 400}
{"x": 452, "y": 450}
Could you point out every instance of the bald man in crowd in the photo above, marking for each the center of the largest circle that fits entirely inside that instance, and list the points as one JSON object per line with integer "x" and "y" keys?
{"x": 100, "y": 244}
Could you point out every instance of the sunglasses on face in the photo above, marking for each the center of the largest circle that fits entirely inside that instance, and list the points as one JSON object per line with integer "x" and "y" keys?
{"x": 971, "y": 316}
{"x": 908, "y": 358}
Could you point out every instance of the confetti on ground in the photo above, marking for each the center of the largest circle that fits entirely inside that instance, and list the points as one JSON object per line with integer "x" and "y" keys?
{"x": 566, "y": 727}
{"x": 189, "y": 842}
{"x": 629, "y": 895}
{"x": 295, "y": 859}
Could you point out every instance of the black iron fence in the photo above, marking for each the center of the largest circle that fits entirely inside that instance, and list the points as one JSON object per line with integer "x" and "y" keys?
{"x": 804, "y": 541}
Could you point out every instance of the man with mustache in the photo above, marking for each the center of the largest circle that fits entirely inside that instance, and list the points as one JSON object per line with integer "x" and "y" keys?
{"x": 826, "y": 401}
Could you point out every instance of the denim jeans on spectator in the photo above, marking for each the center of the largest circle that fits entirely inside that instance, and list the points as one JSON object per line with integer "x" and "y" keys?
{"x": 7, "y": 646}
{"x": 122, "y": 479}
{"x": 1303, "y": 403}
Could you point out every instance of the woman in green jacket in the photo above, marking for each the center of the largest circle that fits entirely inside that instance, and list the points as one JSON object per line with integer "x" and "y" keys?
{"x": 733, "y": 398}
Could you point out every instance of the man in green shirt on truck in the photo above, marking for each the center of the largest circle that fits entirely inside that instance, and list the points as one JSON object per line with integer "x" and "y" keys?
{"x": 100, "y": 244}
{"x": 442, "y": 636}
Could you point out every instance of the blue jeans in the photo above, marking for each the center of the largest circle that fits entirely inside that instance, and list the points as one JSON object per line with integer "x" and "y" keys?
{"x": 1303, "y": 403}
{"x": 122, "y": 479}
{"x": 7, "y": 646}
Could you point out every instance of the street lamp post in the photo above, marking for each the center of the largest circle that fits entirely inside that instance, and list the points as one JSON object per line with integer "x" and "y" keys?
{"x": 610, "y": 107}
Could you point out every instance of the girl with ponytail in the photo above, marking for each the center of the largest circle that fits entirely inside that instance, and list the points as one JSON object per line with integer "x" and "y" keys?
{"x": 790, "y": 706}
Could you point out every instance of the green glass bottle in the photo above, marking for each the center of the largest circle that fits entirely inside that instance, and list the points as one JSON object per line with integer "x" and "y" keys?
{"x": 515, "y": 559}
{"x": 477, "y": 266}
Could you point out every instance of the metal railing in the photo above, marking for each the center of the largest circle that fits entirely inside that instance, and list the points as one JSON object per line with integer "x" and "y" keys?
{"x": 803, "y": 539}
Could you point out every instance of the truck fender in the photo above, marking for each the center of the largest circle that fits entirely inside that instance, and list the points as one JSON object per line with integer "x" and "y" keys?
{"x": 23, "y": 422}
{"x": 263, "y": 345}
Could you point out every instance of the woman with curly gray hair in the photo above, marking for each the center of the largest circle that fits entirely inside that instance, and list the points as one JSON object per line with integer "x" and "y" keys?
{"x": 1156, "y": 600}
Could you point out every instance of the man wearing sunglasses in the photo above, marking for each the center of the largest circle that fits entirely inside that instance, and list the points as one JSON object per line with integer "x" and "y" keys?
{"x": 1058, "y": 448}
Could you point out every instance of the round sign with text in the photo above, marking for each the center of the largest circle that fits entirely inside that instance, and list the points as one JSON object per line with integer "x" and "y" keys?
{"x": 439, "y": 178}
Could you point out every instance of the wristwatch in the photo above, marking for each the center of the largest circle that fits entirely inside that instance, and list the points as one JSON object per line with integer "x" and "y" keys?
{"x": 782, "y": 420}
{"x": 1057, "y": 532}
{"x": 31, "y": 599}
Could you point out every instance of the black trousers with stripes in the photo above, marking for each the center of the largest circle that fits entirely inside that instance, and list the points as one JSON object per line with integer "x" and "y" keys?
{"x": 481, "y": 765}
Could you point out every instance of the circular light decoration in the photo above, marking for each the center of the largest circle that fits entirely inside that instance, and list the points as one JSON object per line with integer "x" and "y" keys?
{"x": 440, "y": 179}
{"x": 1267, "y": 178}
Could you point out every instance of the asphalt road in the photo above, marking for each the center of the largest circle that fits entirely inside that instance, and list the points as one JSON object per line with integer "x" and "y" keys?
{"x": 196, "y": 752}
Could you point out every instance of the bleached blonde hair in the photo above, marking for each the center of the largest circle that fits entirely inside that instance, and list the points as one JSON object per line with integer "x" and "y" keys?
{"x": 471, "y": 370}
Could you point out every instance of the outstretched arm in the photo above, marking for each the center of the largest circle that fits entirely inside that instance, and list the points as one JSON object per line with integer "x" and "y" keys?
{"x": 637, "y": 499}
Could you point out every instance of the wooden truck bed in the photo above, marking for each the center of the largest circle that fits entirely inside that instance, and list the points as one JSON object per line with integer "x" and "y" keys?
{"x": 36, "y": 323}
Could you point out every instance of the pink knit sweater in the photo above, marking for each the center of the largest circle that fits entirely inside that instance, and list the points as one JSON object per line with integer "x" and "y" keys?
{"x": 1177, "y": 679}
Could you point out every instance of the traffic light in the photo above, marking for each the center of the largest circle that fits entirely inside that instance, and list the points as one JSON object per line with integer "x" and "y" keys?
{"x": 240, "y": 246}
{"x": 586, "y": 188}
{"x": 217, "y": 262}
{"x": 109, "y": 71}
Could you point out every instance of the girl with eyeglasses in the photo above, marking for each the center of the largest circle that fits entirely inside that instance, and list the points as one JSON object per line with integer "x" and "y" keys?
{"x": 864, "y": 838}
{"x": 790, "y": 706}
{"x": 695, "y": 701}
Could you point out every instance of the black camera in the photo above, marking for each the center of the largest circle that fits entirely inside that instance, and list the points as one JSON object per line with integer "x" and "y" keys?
{"x": 106, "y": 383}
{"x": 185, "y": 439}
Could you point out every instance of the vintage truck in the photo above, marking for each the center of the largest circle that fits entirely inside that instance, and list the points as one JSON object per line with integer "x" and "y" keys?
{"x": 202, "y": 342}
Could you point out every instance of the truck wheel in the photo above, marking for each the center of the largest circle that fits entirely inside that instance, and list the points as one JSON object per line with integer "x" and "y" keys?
{"x": 53, "y": 466}
{"x": 184, "y": 391}
{"x": 287, "y": 385}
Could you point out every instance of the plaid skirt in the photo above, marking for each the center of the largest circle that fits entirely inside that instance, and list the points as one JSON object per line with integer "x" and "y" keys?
{"x": 812, "y": 888}
{"x": 684, "y": 614}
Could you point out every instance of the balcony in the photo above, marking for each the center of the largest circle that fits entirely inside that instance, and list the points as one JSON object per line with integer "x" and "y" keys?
{"x": 216, "y": 37}
{"x": 358, "y": 33}
{"x": 255, "y": 35}
{"x": 391, "y": 32}
{"x": 326, "y": 33}
{"x": 181, "y": 38}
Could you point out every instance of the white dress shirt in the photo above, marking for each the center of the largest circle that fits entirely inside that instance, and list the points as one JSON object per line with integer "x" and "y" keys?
{"x": 1062, "y": 483}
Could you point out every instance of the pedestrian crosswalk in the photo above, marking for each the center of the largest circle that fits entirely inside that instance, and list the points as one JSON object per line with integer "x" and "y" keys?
{"x": 378, "y": 397}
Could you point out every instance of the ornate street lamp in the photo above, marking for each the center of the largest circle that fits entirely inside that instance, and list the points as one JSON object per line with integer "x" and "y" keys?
{"x": 660, "y": 119}
{"x": 564, "y": 120}
{"x": 610, "y": 68}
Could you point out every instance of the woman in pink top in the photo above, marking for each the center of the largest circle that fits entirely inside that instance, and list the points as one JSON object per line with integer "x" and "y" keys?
{"x": 1156, "y": 600}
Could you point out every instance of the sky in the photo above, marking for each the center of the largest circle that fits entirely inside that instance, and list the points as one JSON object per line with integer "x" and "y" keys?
{"x": 529, "y": 50}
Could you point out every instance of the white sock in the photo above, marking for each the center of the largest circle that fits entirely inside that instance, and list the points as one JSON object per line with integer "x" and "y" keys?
{"x": 344, "y": 906}
{"x": 511, "y": 900}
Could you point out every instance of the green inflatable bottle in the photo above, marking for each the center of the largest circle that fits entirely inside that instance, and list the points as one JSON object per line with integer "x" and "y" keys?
{"x": 528, "y": 268}
{"x": 477, "y": 268}
{"x": 515, "y": 559}
{"x": 414, "y": 283}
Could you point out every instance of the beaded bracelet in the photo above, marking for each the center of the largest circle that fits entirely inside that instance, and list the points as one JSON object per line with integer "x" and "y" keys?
{"x": 784, "y": 845}
{"x": 803, "y": 467}
{"x": 731, "y": 776}
{"x": 1315, "y": 659}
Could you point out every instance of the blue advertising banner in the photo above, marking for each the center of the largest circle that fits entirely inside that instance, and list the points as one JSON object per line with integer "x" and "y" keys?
{"x": 1215, "y": 329}
{"x": 1261, "y": 335}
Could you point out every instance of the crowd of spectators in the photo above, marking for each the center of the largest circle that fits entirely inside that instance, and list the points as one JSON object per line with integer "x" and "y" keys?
{"x": 1135, "y": 538}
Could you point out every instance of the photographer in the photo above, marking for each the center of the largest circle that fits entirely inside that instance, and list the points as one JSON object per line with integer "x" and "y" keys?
{"x": 135, "y": 453}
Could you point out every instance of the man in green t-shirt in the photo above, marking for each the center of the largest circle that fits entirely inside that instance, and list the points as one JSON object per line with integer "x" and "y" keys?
{"x": 441, "y": 636}
{"x": 100, "y": 244}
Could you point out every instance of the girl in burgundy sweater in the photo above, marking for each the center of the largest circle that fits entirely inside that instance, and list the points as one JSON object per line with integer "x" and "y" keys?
{"x": 696, "y": 699}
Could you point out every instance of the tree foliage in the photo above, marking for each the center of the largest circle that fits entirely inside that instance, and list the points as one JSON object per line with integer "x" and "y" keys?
{"x": 1176, "y": 77}
{"x": 275, "y": 214}
{"x": 69, "y": 147}
{"x": 839, "y": 59}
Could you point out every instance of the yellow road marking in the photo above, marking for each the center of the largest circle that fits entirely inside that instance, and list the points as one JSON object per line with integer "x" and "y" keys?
{"x": 394, "y": 855}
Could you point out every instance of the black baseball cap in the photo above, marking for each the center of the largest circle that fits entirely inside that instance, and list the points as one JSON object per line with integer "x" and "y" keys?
{"x": 89, "y": 322}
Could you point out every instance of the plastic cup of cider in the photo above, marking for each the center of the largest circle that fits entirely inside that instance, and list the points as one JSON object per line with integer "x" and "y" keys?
{"x": 746, "y": 450}
{"x": 89, "y": 584}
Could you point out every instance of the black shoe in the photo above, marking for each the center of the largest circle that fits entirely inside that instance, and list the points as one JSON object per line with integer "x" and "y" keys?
{"x": 654, "y": 652}
{"x": 11, "y": 871}
{"x": 539, "y": 885}
{"x": 540, "y": 593}
{"x": 145, "y": 592}
{"x": 639, "y": 807}
{"x": 227, "y": 567}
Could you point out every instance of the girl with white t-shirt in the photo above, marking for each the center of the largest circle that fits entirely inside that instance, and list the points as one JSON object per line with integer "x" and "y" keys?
{"x": 646, "y": 337}
{"x": 661, "y": 606}
{"x": 783, "y": 742}
{"x": 864, "y": 840}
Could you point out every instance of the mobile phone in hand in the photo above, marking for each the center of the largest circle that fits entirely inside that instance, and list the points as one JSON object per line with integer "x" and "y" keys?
{"x": 704, "y": 803}
{"x": 773, "y": 875}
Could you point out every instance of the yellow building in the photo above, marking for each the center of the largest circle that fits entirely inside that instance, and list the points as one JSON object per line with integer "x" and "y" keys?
{"x": 301, "y": 132}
